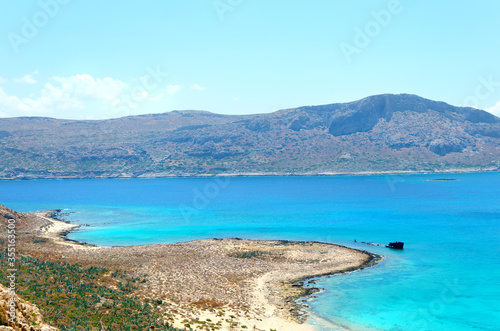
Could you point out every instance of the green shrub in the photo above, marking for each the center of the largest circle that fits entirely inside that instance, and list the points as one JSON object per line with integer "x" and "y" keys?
{"x": 74, "y": 297}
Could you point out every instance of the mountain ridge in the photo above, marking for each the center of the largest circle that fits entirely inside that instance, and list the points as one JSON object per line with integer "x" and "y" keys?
{"x": 381, "y": 133}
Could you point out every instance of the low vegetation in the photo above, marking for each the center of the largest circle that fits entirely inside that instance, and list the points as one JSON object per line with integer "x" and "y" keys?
{"x": 251, "y": 254}
{"x": 74, "y": 297}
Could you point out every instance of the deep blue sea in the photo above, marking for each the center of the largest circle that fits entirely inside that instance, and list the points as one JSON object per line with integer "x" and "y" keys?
{"x": 446, "y": 278}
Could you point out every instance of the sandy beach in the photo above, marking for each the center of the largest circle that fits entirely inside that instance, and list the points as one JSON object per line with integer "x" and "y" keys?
{"x": 225, "y": 284}
{"x": 56, "y": 230}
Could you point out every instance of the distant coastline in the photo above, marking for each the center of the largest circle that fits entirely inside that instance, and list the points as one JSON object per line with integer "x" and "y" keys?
{"x": 379, "y": 134}
{"x": 267, "y": 174}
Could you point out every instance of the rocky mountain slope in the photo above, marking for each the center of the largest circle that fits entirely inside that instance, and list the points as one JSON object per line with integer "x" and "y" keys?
{"x": 376, "y": 134}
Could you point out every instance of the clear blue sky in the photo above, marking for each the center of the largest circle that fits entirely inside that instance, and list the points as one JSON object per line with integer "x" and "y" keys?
{"x": 99, "y": 59}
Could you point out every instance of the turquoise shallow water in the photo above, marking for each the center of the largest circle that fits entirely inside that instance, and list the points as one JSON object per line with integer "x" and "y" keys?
{"x": 447, "y": 278}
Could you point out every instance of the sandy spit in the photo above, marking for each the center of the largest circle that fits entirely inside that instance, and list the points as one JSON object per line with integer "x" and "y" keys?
{"x": 230, "y": 283}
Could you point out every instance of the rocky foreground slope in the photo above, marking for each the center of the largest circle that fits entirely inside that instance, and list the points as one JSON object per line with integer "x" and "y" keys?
{"x": 27, "y": 317}
{"x": 379, "y": 133}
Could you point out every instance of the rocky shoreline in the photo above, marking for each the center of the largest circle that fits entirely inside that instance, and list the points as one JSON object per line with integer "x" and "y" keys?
{"x": 224, "y": 283}
{"x": 300, "y": 308}
{"x": 25, "y": 176}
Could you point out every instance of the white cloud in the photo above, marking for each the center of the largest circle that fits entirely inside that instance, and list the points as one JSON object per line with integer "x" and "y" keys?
{"x": 65, "y": 97}
{"x": 3, "y": 80}
{"x": 198, "y": 87}
{"x": 142, "y": 94}
{"x": 157, "y": 98}
{"x": 26, "y": 79}
{"x": 87, "y": 86}
{"x": 173, "y": 89}
{"x": 495, "y": 110}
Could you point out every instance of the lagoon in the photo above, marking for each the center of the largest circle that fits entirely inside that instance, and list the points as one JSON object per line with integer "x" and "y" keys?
{"x": 446, "y": 278}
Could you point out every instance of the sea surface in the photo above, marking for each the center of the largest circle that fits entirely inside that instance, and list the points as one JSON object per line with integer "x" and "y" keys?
{"x": 446, "y": 278}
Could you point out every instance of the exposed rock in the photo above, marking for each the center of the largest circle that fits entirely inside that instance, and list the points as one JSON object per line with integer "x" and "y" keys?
{"x": 360, "y": 116}
{"x": 491, "y": 130}
{"x": 443, "y": 147}
{"x": 260, "y": 125}
{"x": 27, "y": 317}
{"x": 299, "y": 123}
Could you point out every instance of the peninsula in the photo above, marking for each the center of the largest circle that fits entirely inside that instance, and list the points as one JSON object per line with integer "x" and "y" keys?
{"x": 212, "y": 284}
